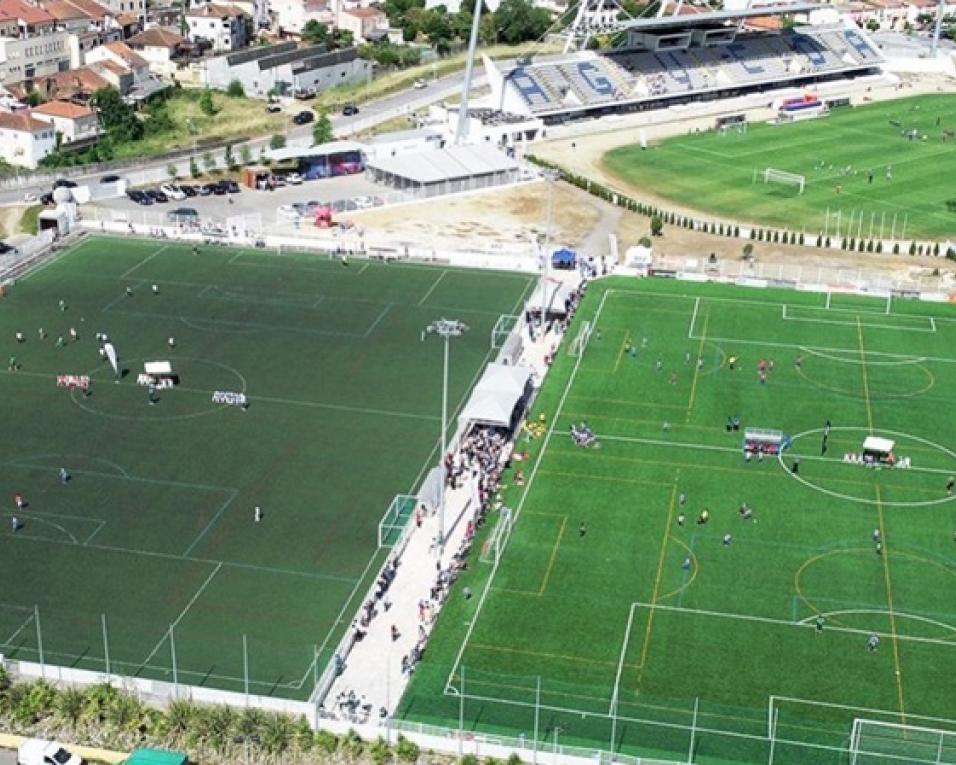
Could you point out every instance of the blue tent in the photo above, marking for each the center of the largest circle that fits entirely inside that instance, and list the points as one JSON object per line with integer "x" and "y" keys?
{"x": 566, "y": 259}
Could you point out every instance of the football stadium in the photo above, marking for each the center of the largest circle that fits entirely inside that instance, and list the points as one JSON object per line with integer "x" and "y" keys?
{"x": 559, "y": 504}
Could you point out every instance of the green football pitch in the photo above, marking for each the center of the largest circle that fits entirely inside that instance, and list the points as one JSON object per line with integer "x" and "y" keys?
{"x": 723, "y": 174}
{"x": 613, "y": 615}
{"x": 156, "y": 529}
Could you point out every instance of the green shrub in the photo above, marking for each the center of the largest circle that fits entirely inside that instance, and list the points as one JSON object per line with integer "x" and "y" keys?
{"x": 408, "y": 751}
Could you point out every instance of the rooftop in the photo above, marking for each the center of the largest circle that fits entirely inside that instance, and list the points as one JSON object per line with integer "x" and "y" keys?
{"x": 365, "y": 13}
{"x": 213, "y": 11}
{"x": 21, "y": 121}
{"x": 157, "y": 37}
{"x": 63, "y": 109}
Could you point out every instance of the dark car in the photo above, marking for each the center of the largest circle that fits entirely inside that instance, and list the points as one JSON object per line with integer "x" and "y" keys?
{"x": 189, "y": 191}
{"x": 109, "y": 179}
{"x": 205, "y": 190}
{"x": 303, "y": 118}
{"x": 64, "y": 183}
{"x": 157, "y": 196}
{"x": 47, "y": 198}
{"x": 182, "y": 215}
{"x": 219, "y": 188}
{"x": 7, "y": 249}
{"x": 232, "y": 187}
{"x": 350, "y": 110}
{"x": 140, "y": 197}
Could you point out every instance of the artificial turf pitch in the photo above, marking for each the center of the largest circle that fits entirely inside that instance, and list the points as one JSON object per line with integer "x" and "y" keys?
{"x": 612, "y": 636}
{"x": 156, "y": 527}
{"x": 715, "y": 173}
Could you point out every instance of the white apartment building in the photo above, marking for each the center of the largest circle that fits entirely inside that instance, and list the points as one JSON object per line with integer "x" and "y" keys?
{"x": 24, "y": 58}
{"x": 223, "y": 26}
{"x": 24, "y": 141}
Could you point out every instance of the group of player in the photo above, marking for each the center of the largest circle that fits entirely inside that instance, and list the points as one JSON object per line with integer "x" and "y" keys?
{"x": 21, "y": 504}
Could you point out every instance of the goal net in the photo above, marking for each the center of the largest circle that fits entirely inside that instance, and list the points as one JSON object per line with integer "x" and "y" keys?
{"x": 772, "y": 175}
{"x": 395, "y": 520}
{"x": 502, "y": 329}
{"x": 580, "y": 341}
{"x": 494, "y": 545}
{"x": 874, "y": 742}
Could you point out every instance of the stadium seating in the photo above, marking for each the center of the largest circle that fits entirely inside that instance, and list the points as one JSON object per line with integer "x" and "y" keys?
{"x": 592, "y": 80}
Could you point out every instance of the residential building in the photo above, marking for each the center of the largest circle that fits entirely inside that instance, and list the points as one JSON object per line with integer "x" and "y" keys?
{"x": 286, "y": 68}
{"x": 257, "y": 10}
{"x": 222, "y": 26}
{"x": 72, "y": 85}
{"x": 24, "y": 141}
{"x": 125, "y": 70}
{"x": 290, "y": 16}
{"x": 162, "y": 49}
{"x": 363, "y": 23}
{"x": 27, "y": 58}
{"x": 76, "y": 124}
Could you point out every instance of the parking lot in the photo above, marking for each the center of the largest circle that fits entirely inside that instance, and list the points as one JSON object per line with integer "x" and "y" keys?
{"x": 344, "y": 194}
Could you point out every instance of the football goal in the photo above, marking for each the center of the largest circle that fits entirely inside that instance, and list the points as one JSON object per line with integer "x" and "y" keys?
{"x": 580, "y": 342}
{"x": 394, "y": 522}
{"x": 772, "y": 175}
{"x": 495, "y": 543}
{"x": 874, "y": 742}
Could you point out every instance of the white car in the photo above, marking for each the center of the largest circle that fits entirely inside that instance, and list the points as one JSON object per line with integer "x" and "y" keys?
{"x": 289, "y": 212}
{"x": 420, "y": 83}
{"x": 38, "y": 751}
{"x": 29, "y": 197}
{"x": 172, "y": 191}
{"x": 363, "y": 203}
{"x": 293, "y": 179}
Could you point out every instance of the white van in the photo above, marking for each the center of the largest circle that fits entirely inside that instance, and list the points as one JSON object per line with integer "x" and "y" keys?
{"x": 38, "y": 751}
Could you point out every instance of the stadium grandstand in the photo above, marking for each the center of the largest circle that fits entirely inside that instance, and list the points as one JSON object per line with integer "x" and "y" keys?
{"x": 679, "y": 59}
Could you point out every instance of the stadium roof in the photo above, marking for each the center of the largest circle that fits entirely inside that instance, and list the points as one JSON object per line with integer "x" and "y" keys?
{"x": 718, "y": 17}
{"x": 452, "y": 162}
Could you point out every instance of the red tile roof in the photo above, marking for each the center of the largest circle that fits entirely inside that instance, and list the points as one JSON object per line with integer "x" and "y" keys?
{"x": 214, "y": 11}
{"x": 156, "y": 38}
{"x": 27, "y": 13}
{"x": 63, "y": 109}
{"x": 21, "y": 121}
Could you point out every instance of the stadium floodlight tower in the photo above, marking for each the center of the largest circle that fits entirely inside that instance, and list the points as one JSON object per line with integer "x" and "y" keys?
{"x": 937, "y": 27}
{"x": 461, "y": 130}
{"x": 445, "y": 329}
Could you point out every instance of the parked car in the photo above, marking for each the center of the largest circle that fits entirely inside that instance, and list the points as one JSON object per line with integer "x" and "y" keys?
{"x": 349, "y": 110}
{"x": 172, "y": 191}
{"x": 29, "y": 197}
{"x": 38, "y": 751}
{"x": 140, "y": 197}
{"x": 232, "y": 187}
{"x": 189, "y": 191}
{"x": 290, "y": 212}
{"x": 303, "y": 118}
{"x": 420, "y": 83}
{"x": 363, "y": 203}
{"x": 205, "y": 190}
{"x": 157, "y": 196}
{"x": 182, "y": 215}
{"x": 46, "y": 198}
{"x": 304, "y": 94}
{"x": 274, "y": 108}
{"x": 109, "y": 179}
{"x": 8, "y": 249}
{"x": 293, "y": 179}
{"x": 65, "y": 183}
{"x": 219, "y": 188}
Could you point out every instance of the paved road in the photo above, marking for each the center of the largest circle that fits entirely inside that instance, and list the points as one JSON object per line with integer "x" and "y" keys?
{"x": 8, "y": 757}
{"x": 371, "y": 114}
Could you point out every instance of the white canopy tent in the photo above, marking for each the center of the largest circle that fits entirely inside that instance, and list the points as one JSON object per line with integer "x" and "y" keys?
{"x": 495, "y": 396}
{"x": 878, "y": 445}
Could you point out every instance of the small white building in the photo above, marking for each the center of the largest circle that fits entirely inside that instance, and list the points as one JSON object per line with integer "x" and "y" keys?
{"x": 363, "y": 23}
{"x": 24, "y": 141}
{"x": 221, "y": 25}
{"x": 161, "y": 48}
{"x": 75, "y": 123}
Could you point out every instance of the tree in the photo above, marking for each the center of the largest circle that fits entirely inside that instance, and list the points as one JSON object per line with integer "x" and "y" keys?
{"x": 172, "y": 171}
{"x": 519, "y": 20}
{"x": 315, "y": 33}
{"x": 235, "y": 89}
{"x": 34, "y": 98}
{"x": 116, "y": 116}
{"x": 748, "y": 250}
{"x": 206, "y": 104}
{"x": 322, "y": 130}
{"x": 344, "y": 38}
{"x": 277, "y": 141}
{"x": 657, "y": 225}
{"x": 194, "y": 168}
{"x": 208, "y": 161}
{"x": 245, "y": 153}
{"x": 229, "y": 158}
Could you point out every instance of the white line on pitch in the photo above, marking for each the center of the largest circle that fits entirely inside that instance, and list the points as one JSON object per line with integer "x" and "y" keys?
{"x": 179, "y": 618}
{"x": 432, "y": 288}
{"x": 143, "y": 262}
{"x": 381, "y": 316}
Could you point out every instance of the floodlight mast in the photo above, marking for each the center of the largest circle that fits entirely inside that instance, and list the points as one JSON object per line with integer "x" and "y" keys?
{"x": 461, "y": 131}
{"x": 445, "y": 329}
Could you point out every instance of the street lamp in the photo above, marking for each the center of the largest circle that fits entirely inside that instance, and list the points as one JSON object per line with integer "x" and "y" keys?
{"x": 551, "y": 176}
{"x": 446, "y": 329}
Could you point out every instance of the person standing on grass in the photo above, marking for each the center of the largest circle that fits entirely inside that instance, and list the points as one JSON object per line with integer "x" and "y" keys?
{"x": 872, "y": 642}
{"x": 950, "y": 482}
{"x": 64, "y": 476}
{"x": 582, "y": 530}
{"x": 818, "y": 624}
{"x": 14, "y": 524}
{"x": 257, "y": 514}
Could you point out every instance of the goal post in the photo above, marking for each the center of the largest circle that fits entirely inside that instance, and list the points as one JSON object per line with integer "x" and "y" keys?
{"x": 504, "y": 326}
{"x": 876, "y": 742}
{"x": 495, "y": 543}
{"x": 773, "y": 175}
{"x": 395, "y": 520}
{"x": 580, "y": 341}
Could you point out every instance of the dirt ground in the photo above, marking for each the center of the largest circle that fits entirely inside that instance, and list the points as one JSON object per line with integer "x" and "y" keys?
{"x": 10, "y": 220}
{"x": 517, "y": 215}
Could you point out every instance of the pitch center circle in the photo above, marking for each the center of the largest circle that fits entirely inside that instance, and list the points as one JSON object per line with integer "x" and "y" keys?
{"x": 821, "y": 487}
{"x": 890, "y": 379}
{"x": 210, "y": 377}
